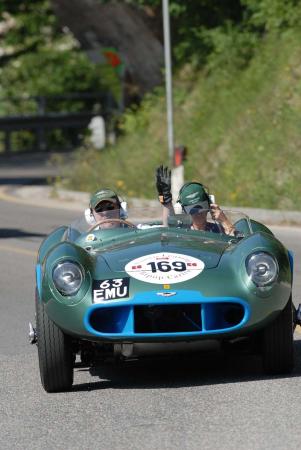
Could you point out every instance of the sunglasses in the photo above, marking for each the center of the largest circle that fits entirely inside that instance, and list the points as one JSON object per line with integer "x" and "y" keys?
{"x": 105, "y": 207}
{"x": 196, "y": 209}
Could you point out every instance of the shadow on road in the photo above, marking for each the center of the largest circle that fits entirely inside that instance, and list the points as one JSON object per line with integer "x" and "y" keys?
{"x": 16, "y": 233}
{"x": 31, "y": 168}
{"x": 182, "y": 371}
{"x": 25, "y": 180}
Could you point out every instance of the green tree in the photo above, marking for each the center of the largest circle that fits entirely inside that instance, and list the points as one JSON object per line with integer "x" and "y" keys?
{"x": 39, "y": 58}
{"x": 190, "y": 22}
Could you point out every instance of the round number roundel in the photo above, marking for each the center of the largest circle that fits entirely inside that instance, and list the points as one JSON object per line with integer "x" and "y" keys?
{"x": 164, "y": 268}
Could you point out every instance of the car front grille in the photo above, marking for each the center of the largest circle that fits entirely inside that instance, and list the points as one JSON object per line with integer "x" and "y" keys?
{"x": 167, "y": 318}
{"x": 151, "y": 319}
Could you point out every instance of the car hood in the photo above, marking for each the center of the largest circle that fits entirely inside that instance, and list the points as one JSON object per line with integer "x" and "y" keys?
{"x": 208, "y": 250}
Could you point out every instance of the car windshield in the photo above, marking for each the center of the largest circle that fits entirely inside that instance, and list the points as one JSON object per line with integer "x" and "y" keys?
{"x": 151, "y": 218}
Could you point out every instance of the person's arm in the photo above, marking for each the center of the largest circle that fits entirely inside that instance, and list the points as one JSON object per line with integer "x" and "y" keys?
{"x": 218, "y": 214}
{"x": 163, "y": 184}
{"x": 167, "y": 211}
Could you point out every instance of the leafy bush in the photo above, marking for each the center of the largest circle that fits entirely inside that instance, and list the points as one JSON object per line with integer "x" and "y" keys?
{"x": 273, "y": 15}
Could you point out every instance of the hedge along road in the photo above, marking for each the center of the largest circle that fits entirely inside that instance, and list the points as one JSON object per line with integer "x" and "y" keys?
{"x": 203, "y": 402}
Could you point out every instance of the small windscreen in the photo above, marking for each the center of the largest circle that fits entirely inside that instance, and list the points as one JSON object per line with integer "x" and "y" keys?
{"x": 232, "y": 223}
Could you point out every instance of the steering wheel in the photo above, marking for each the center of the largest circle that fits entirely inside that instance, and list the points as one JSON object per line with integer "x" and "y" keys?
{"x": 121, "y": 221}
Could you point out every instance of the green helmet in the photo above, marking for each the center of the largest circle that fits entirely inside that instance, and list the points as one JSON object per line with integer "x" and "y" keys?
{"x": 194, "y": 194}
{"x": 101, "y": 195}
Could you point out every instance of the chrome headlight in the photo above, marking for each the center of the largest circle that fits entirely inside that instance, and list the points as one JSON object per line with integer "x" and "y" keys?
{"x": 262, "y": 268}
{"x": 67, "y": 277}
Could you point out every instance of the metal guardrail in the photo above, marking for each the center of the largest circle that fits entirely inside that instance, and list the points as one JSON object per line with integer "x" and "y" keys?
{"x": 44, "y": 121}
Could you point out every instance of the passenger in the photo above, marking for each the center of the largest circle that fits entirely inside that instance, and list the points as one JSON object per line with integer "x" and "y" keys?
{"x": 195, "y": 201}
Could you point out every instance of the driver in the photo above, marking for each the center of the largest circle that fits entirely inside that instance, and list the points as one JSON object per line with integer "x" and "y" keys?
{"x": 105, "y": 205}
{"x": 195, "y": 200}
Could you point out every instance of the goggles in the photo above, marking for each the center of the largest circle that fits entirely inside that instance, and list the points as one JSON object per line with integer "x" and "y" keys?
{"x": 196, "y": 209}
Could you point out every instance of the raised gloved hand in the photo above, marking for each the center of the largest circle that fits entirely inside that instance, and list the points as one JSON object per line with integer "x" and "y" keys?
{"x": 163, "y": 183}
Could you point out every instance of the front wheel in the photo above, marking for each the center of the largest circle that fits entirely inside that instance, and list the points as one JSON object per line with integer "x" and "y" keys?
{"x": 278, "y": 343}
{"x": 55, "y": 353}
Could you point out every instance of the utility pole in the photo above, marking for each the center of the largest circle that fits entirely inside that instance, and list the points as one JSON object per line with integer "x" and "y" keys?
{"x": 168, "y": 81}
{"x": 177, "y": 170}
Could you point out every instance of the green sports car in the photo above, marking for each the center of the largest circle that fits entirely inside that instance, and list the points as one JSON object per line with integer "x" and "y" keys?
{"x": 119, "y": 286}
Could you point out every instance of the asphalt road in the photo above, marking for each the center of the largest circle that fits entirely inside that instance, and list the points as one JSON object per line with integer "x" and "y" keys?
{"x": 205, "y": 402}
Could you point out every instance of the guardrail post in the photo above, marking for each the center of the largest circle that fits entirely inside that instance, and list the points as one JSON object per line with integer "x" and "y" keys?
{"x": 7, "y": 147}
{"x": 42, "y": 145}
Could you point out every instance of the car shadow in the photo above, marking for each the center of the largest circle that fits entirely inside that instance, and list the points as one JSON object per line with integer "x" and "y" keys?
{"x": 6, "y": 233}
{"x": 177, "y": 371}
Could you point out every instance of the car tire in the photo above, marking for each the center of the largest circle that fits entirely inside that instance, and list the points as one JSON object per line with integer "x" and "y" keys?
{"x": 278, "y": 343}
{"x": 55, "y": 353}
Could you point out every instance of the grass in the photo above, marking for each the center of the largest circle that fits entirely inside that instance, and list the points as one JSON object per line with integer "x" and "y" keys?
{"x": 242, "y": 129}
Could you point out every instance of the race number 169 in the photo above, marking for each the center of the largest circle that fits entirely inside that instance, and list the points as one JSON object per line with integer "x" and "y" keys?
{"x": 165, "y": 266}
